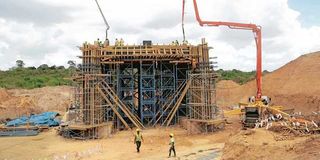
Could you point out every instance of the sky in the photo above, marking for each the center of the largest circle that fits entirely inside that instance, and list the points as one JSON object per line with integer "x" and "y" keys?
{"x": 49, "y": 32}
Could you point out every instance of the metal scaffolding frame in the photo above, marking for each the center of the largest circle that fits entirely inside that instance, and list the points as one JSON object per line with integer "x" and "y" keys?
{"x": 202, "y": 94}
{"x": 141, "y": 85}
{"x": 166, "y": 85}
{"x": 147, "y": 91}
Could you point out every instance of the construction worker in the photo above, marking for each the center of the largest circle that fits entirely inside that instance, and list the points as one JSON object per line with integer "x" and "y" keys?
{"x": 106, "y": 43}
{"x": 171, "y": 143}
{"x": 185, "y": 42}
{"x": 96, "y": 42}
{"x": 117, "y": 43}
{"x": 138, "y": 139}
{"x": 194, "y": 64}
{"x": 177, "y": 42}
{"x": 121, "y": 42}
{"x": 99, "y": 43}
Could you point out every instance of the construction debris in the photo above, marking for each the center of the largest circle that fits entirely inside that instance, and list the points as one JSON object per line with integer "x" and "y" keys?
{"x": 297, "y": 125}
{"x": 272, "y": 118}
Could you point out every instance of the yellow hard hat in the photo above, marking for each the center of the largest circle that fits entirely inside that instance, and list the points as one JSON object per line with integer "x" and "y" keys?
{"x": 171, "y": 134}
{"x": 137, "y": 129}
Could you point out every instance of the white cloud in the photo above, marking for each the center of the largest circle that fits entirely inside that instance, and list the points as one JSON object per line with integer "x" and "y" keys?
{"x": 38, "y": 41}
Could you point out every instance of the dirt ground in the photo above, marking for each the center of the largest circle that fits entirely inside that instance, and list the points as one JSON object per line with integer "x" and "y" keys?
{"x": 48, "y": 145}
{"x": 232, "y": 143}
{"x": 263, "y": 144}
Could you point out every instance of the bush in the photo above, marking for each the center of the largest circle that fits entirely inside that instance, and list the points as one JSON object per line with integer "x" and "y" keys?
{"x": 43, "y": 67}
{"x": 32, "y": 68}
{"x": 236, "y": 75}
{"x": 60, "y": 67}
{"x": 30, "y": 78}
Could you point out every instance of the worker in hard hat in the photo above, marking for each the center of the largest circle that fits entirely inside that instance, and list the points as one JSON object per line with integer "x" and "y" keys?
{"x": 177, "y": 42}
{"x": 171, "y": 143}
{"x": 138, "y": 139}
{"x": 117, "y": 43}
{"x": 106, "y": 43}
{"x": 185, "y": 42}
{"x": 121, "y": 42}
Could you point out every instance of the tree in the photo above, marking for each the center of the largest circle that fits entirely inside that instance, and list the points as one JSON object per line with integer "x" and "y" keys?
{"x": 72, "y": 64}
{"x": 20, "y": 63}
{"x": 43, "y": 67}
{"x": 53, "y": 67}
{"x": 79, "y": 66}
{"x": 60, "y": 67}
{"x": 32, "y": 68}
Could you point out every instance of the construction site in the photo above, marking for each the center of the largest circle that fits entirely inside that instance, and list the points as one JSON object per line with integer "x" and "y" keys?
{"x": 171, "y": 89}
{"x": 142, "y": 86}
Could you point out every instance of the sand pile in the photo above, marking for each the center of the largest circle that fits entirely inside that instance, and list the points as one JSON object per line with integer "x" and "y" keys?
{"x": 295, "y": 85}
{"x": 17, "y": 102}
{"x": 261, "y": 144}
{"x": 225, "y": 95}
{"x": 4, "y": 95}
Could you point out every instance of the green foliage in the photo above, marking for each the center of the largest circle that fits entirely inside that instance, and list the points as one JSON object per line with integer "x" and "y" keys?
{"x": 72, "y": 63}
{"x": 20, "y": 63}
{"x": 43, "y": 67}
{"x": 30, "y": 77}
{"x": 237, "y": 75}
{"x": 34, "y": 78}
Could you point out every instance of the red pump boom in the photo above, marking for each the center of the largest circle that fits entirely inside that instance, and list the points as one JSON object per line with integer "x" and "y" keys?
{"x": 257, "y": 36}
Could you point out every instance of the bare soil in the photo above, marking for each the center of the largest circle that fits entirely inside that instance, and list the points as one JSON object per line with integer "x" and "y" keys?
{"x": 17, "y": 102}
{"x": 295, "y": 85}
{"x": 232, "y": 143}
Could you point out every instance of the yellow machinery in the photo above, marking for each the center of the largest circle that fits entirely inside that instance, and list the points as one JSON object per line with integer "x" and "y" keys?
{"x": 256, "y": 111}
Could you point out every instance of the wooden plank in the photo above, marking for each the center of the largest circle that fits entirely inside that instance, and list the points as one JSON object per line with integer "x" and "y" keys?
{"x": 113, "y": 108}
{"x": 122, "y": 106}
{"x": 168, "y": 103}
{"x": 177, "y": 104}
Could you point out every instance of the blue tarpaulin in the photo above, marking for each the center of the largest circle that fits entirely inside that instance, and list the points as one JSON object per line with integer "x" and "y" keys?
{"x": 43, "y": 119}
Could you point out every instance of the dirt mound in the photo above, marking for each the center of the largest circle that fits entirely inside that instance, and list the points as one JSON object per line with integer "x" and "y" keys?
{"x": 4, "y": 95}
{"x": 17, "y": 102}
{"x": 295, "y": 85}
{"x": 261, "y": 144}
{"x": 225, "y": 89}
{"x": 308, "y": 149}
{"x": 227, "y": 84}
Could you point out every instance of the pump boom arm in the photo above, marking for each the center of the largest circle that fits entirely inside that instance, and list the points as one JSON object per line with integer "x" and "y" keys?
{"x": 104, "y": 19}
{"x": 257, "y": 36}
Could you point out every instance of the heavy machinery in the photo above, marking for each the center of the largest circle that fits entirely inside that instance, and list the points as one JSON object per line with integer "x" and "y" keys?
{"x": 252, "y": 111}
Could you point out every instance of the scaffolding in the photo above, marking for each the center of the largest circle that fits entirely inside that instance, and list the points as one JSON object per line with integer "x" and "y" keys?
{"x": 141, "y": 85}
{"x": 203, "y": 114}
{"x": 201, "y": 94}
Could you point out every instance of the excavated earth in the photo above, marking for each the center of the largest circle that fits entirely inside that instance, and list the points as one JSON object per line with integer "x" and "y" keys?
{"x": 18, "y": 102}
{"x": 296, "y": 86}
